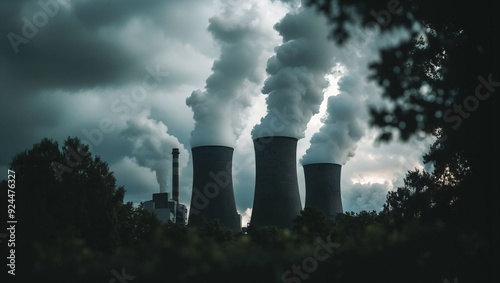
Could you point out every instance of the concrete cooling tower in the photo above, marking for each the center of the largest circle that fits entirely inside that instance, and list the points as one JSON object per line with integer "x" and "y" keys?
{"x": 323, "y": 188}
{"x": 276, "y": 199}
{"x": 213, "y": 196}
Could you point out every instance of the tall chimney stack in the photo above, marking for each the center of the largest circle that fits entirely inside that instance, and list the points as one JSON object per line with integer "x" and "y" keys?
{"x": 323, "y": 188}
{"x": 175, "y": 174}
{"x": 213, "y": 196}
{"x": 276, "y": 199}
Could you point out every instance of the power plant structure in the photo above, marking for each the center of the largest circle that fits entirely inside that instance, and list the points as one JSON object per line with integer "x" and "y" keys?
{"x": 323, "y": 188}
{"x": 175, "y": 174}
{"x": 181, "y": 210}
{"x": 169, "y": 210}
{"x": 212, "y": 196}
{"x": 276, "y": 197}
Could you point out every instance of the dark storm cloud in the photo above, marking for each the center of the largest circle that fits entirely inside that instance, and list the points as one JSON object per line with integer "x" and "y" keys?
{"x": 175, "y": 17}
{"x": 71, "y": 48}
{"x": 48, "y": 44}
{"x": 18, "y": 115}
{"x": 63, "y": 54}
{"x": 95, "y": 13}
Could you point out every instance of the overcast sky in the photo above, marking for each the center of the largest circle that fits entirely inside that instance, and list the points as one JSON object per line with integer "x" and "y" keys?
{"x": 130, "y": 78}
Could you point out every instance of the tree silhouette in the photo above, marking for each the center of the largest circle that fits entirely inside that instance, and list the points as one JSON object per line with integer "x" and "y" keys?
{"x": 66, "y": 193}
{"x": 442, "y": 81}
{"x": 312, "y": 222}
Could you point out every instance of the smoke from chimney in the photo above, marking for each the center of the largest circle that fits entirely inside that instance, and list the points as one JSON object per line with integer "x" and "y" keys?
{"x": 296, "y": 74}
{"x": 151, "y": 145}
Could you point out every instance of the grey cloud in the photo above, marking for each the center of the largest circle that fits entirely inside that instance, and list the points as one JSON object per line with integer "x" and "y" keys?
{"x": 73, "y": 49}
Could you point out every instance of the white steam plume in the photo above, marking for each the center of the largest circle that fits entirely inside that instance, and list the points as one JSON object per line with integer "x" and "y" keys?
{"x": 347, "y": 117}
{"x": 220, "y": 112}
{"x": 152, "y": 146}
{"x": 296, "y": 74}
{"x": 366, "y": 197}
{"x": 343, "y": 126}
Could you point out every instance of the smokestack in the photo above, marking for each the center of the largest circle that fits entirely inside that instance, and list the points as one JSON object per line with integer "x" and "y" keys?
{"x": 213, "y": 196}
{"x": 276, "y": 200}
{"x": 175, "y": 174}
{"x": 323, "y": 188}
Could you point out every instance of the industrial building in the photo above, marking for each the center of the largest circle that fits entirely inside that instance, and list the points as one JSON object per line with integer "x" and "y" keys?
{"x": 276, "y": 196}
{"x": 164, "y": 208}
{"x": 169, "y": 210}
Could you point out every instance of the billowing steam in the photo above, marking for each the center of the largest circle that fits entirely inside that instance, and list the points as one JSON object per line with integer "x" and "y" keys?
{"x": 220, "y": 112}
{"x": 296, "y": 74}
{"x": 347, "y": 116}
{"x": 343, "y": 127}
{"x": 152, "y": 146}
{"x": 366, "y": 197}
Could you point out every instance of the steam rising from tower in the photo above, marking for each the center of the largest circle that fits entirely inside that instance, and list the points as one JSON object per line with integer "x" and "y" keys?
{"x": 346, "y": 118}
{"x": 336, "y": 141}
{"x": 345, "y": 123}
{"x": 296, "y": 74}
{"x": 295, "y": 92}
{"x": 220, "y": 112}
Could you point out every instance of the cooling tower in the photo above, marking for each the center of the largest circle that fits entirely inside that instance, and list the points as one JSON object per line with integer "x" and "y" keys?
{"x": 323, "y": 188}
{"x": 276, "y": 199}
{"x": 213, "y": 196}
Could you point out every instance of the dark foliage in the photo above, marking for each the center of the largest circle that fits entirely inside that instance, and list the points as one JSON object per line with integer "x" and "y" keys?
{"x": 443, "y": 81}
